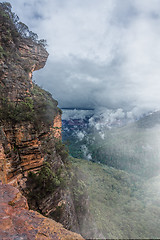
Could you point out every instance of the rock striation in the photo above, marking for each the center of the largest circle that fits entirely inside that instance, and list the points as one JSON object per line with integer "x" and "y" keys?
{"x": 20, "y": 140}
{"x": 20, "y": 152}
{"x": 30, "y": 145}
{"x": 17, "y": 222}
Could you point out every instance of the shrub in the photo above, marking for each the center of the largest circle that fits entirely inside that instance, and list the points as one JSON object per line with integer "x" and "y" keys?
{"x": 38, "y": 107}
{"x": 2, "y": 52}
{"x": 62, "y": 150}
{"x": 43, "y": 182}
{"x": 16, "y": 27}
{"x": 45, "y": 106}
{"x": 16, "y": 111}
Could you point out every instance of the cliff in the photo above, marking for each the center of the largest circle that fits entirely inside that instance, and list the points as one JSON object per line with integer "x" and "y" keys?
{"x": 28, "y": 115}
{"x": 32, "y": 156}
{"x": 17, "y": 222}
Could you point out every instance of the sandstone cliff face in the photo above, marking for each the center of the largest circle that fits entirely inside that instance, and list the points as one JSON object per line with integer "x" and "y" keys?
{"x": 20, "y": 151}
{"x": 17, "y": 222}
{"x": 30, "y": 135}
{"x": 18, "y": 59}
{"x": 16, "y": 71}
{"x": 57, "y": 126}
{"x": 20, "y": 143}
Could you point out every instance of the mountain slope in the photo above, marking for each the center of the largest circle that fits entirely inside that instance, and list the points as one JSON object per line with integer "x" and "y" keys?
{"x": 122, "y": 205}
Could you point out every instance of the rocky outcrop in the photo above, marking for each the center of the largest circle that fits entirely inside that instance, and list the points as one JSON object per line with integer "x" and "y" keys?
{"x": 30, "y": 137}
{"x": 20, "y": 139}
{"x": 57, "y": 126}
{"x": 16, "y": 72}
{"x": 17, "y": 222}
{"x": 20, "y": 152}
{"x": 19, "y": 57}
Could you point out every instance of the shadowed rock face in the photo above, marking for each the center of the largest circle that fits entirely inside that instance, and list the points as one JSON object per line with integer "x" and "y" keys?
{"x": 21, "y": 143}
{"x": 20, "y": 151}
{"x": 16, "y": 72}
{"x": 17, "y": 222}
{"x": 26, "y": 143}
{"x": 22, "y": 58}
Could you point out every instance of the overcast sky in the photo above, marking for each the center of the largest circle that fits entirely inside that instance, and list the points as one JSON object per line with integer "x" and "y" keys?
{"x": 102, "y": 52}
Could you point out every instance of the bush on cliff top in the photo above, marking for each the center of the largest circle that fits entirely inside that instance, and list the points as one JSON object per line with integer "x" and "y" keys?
{"x": 45, "y": 107}
{"x": 38, "y": 107}
{"x": 16, "y": 112}
{"x": 16, "y": 28}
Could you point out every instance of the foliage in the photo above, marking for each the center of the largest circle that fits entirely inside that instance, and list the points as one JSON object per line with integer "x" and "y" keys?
{"x": 2, "y": 52}
{"x": 45, "y": 106}
{"x": 43, "y": 183}
{"x": 42, "y": 42}
{"x": 15, "y": 27}
{"x": 18, "y": 111}
{"x": 62, "y": 150}
{"x": 133, "y": 148}
{"x": 122, "y": 205}
{"x": 37, "y": 107}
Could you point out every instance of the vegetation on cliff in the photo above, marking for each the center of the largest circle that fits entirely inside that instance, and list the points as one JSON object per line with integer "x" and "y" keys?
{"x": 27, "y": 115}
{"x": 20, "y": 99}
{"x": 61, "y": 184}
{"x": 43, "y": 183}
{"x": 15, "y": 28}
{"x": 37, "y": 107}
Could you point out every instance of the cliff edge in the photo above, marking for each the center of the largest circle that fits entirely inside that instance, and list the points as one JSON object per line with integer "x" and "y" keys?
{"x": 32, "y": 156}
{"x": 28, "y": 114}
{"x": 17, "y": 222}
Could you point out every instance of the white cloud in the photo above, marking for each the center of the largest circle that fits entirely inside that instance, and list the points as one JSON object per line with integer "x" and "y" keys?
{"x": 80, "y": 135}
{"x": 76, "y": 114}
{"x": 102, "y": 52}
{"x": 86, "y": 153}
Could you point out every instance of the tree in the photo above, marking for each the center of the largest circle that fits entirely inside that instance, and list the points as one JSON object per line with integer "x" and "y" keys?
{"x": 15, "y": 18}
{"x": 6, "y": 6}
{"x": 16, "y": 27}
{"x": 42, "y": 42}
{"x": 22, "y": 29}
{"x": 33, "y": 36}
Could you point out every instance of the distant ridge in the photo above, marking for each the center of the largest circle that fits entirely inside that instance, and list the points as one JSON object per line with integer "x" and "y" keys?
{"x": 90, "y": 109}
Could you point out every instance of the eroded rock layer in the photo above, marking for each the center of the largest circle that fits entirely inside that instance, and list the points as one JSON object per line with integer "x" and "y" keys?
{"x": 30, "y": 137}
{"x": 17, "y": 222}
{"x": 21, "y": 103}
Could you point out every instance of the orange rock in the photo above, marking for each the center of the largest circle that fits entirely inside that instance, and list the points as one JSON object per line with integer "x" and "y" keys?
{"x": 17, "y": 222}
{"x": 3, "y": 175}
{"x": 21, "y": 150}
{"x": 57, "y": 127}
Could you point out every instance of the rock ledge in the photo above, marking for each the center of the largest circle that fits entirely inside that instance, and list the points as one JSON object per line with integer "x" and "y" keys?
{"x": 17, "y": 222}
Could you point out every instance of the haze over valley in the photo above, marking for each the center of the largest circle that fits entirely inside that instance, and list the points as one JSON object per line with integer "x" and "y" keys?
{"x": 89, "y": 157}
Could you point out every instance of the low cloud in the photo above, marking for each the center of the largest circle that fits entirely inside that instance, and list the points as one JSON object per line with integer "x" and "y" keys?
{"x": 102, "y": 53}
